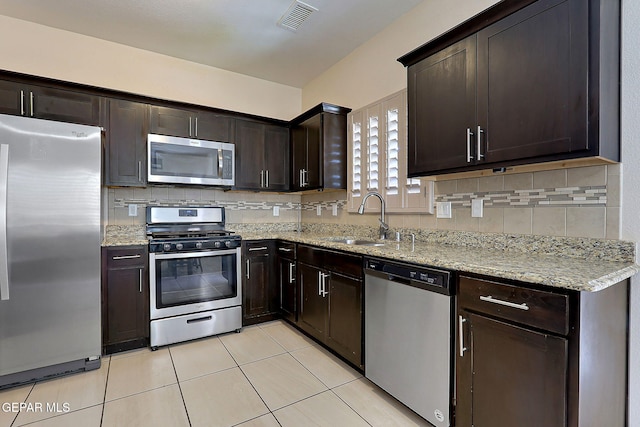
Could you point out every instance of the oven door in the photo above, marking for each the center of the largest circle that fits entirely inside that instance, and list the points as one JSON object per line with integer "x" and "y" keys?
{"x": 183, "y": 283}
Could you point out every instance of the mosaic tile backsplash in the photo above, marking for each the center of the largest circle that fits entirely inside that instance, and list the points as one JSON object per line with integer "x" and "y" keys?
{"x": 579, "y": 202}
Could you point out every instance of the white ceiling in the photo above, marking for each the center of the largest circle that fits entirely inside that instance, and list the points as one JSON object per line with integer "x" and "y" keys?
{"x": 235, "y": 35}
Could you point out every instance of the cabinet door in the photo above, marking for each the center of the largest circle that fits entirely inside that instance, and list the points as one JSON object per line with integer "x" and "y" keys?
{"x": 171, "y": 121}
{"x": 63, "y": 105}
{"x": 257, "y": 291}
{"x": 287, "y": 281}
{"x": 214, "y": 127}
{"x": 313, "y": 302}
{"x": 249, "y": 155}
{"x": 125, "y": 298}
{"x": 12, "y": 98}
{"x": 315, "y": 160}
{"x": 298, "y": 156}
{"x": 126, "y": 140}
{"x": 442, "y": 100}
{"x": 344, "y": 331}
{"x": 532, "y": 78}
{"x": 510, "y": 376}
{"x": 276, "y": 157}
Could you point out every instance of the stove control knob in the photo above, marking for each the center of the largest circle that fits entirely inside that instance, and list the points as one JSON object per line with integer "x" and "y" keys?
{"x": 228, "y": 243}
{"x": 179, "y": 246}
{"x": 198, "y": 245}
{"x": 166, "y": 247}
{"x": 216, "y": 244}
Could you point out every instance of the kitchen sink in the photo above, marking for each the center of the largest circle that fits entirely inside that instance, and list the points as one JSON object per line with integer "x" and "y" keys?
{"x": 358, "y": 242}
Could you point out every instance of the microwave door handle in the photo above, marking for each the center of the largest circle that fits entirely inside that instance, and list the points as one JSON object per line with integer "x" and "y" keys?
{"x": 220, "y": 163}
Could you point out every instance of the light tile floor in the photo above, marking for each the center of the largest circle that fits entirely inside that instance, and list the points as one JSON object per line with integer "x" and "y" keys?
{"x": 267, "y": 375}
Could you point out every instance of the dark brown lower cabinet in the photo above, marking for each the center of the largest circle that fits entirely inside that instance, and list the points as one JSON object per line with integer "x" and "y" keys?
{"x": 286, "y": 256}
{"x": 125, "y": 298}
{"x": 330, "y": 285}
{"x": 260, "y": 295}
{"x": 530, "y": 357}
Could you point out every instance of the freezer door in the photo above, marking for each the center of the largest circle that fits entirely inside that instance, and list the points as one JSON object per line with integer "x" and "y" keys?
{"x": 49, "y": 243}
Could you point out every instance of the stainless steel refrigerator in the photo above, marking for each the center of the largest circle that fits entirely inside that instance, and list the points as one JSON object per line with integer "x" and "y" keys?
{"x": 50, "y": 239}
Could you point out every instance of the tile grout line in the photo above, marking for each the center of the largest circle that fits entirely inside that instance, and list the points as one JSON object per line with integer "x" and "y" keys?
{"x": 184, "y": 403}
{"x": 104, "y": 397}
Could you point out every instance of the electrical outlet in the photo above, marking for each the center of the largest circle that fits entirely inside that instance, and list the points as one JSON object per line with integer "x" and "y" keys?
{"x": 477, "y": 208}
{"x": 443, "y": 210}
{"x": 335, "y": 209}
{"x": 276, "y": 211}
{"x": 318, "y": 210}
{"x": 133, "y": 210}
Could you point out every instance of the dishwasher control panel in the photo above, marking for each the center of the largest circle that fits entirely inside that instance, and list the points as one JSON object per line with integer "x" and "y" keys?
{"x": 411, "y": 272}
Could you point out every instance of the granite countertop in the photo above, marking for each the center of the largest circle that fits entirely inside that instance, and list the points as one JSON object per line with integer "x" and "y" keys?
{"x": 577, "y": 264}
{"x": 550, "y": 270}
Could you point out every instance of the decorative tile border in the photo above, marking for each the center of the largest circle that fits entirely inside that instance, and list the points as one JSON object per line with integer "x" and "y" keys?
{"x": 547, "y": 197}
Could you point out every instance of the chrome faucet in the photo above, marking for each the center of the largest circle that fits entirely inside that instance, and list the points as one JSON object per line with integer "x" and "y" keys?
{"x": 384, "y": 227}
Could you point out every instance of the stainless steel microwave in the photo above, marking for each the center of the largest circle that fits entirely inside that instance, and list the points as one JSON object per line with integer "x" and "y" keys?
{"x": 172, "y": 159}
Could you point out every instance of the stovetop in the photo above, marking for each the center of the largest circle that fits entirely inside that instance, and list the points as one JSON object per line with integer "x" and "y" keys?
{"x": 187, "y": 229}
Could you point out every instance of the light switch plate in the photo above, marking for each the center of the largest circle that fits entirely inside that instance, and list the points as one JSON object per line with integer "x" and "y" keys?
{"x": 133, "y": 210}
{"x": 443, "y": 209}
{"x": 276, "y": 211}
{"x": 477, "y": 208}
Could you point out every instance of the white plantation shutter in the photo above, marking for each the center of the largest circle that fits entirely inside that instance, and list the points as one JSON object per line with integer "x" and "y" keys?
{"x": 378, "y": 159}
{"x": 356, "y": 129}
{"x": 393, "y": 153}
{"x": 373, "y": 149}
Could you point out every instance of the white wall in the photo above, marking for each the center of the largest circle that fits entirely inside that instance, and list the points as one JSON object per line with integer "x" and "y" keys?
{"x": 631, "y": 180}
{"x": 44, "y": 51}
{"x": 372, "y": 71}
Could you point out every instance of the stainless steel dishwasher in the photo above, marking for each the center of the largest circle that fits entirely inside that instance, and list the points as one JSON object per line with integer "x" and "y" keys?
{"x": 408, "y": 340}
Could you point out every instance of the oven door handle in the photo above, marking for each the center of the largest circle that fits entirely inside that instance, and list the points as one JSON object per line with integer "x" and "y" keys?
{"x": 196, "y": 254}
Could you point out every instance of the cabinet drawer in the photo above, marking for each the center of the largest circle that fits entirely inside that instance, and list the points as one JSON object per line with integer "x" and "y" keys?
{"x": 286, "y": 250}
{"x": 258, "y": 247}
{"x": 535, "y": 308}
{"x": 339, "y": 262}
{"x": 128, "y": 256}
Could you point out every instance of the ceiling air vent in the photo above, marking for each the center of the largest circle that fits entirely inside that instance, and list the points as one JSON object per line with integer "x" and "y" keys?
{"x": 297, "y": 13}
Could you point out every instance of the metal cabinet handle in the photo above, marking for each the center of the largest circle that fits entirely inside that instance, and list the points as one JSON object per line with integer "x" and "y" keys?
{"x": 491, "y": 299}
{"x": 190, "y": 134}
{"x": 323, "y": 284}
{"x": 140, "y": 281}
{"x": 291, "y": 277}
{"x": 196, "y": 127}
{"x": 117, "y": 257}
{"x": 469, "y": 135}
{"x": 285, "y": 249}
{"x": 266, "y": 172}
{"x": 140, "y": 171}
{"x": 262, "y": 179}
{"x": 479, "y": 133}
{"x": 4, "y": 254}
{"x": 22, "y": 102}
{"x": 261, "y": 248}
{"x": 248, "y": 265}
{"x": 31, "y": 98}
{"x": 461, "y": 321}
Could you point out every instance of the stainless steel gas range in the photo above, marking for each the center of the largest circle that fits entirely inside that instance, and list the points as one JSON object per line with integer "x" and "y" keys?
{"x": 194, "y": 265}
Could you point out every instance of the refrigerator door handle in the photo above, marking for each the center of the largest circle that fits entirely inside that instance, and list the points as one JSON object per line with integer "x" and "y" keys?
{"x": 4, "y": 265}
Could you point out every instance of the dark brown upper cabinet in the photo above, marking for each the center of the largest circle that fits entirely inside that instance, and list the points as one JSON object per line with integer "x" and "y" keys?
{"x": 191, "y": 124}
{"x": 262, "y": 156}
{"x": 126, "y": 142}
{"x": 523, "y": 82}
{"x": 29, "y": 100}
{"x": 319, "y": 148}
